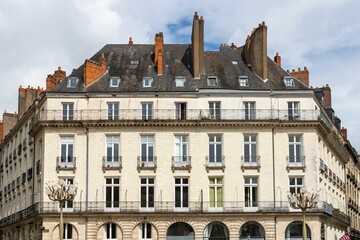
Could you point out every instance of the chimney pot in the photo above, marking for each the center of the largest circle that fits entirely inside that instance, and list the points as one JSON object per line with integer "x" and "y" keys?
{"x": 130, "y": 41}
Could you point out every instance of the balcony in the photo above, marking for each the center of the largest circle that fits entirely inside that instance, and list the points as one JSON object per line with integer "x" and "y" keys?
{"x": 250, "y": 162}
{"x": 295, "y": 162}
{"x": 112, "y": 163}
{"x": 215, "y": 162}
{"x": 181, "y": 163}
{"x": 38, "y": 167}
{"x": 146, "y": 163}
{"x": 66, "y": 163}
{"x": 191, "y": 114}
{"x": 24, "y": 144}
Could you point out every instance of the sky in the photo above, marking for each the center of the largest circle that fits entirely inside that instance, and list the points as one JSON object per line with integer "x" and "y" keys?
{"x": 37, "y": 36}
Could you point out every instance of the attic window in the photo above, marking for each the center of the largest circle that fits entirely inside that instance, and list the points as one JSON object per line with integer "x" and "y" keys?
{"x": 180, "y": 81}
{"x": 72, "y": 82}
{"x": 234, "y": 62}
{"x": 134, "y": 62}
{"x": 212, "y": 81}
{"x": 114, "y": 81}
{"x": 147, "y": 81}
{"x": 243, "y": 81}
{"x": 289, "y": 81}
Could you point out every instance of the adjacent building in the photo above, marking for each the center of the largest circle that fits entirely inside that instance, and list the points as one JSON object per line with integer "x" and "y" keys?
{"x": 169, "y": 141}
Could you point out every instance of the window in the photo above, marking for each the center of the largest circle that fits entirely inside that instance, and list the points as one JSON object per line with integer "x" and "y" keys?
{"x": 110, "y": 231}
{"x": 180, "y": 81}
{"x": 295, "y": 184}
{"x": 67, "y": 149}
{"x": 68, "y": 205}
{"x": 293, "y": 110}
{"x": 72, "y": 82}
{"x": 289, "y": 81}
{"x": 251, "y": 194}
{"x": 250, "y": 113}
{"x": 181, "y": 148}
{"x": 214, "y": 108}
{"x": 67, "y": 235}
{"x": 180, "y": 111}
{"x": 212, "y": 81}
{"x": 146, "y": 110}
{"x": 134, "y": 62}
{"x": 215, "y": 154}
{"x": 243, "y": 81}
{"x": 147, "y": 192}
{"x": 112, "y": 148}
{"x": 147, "y": 81}
{"x": 112, "y": 193}
{"x": 181, "y": 192}
{"x": 147, "y": 148}
{"x": 68, "y": 111}
{"x": 145, "y": 231}
{"x": 216, "y": 193}
{"x": 114, "y": 81}
{"x": 113, "y": 110}
{"x": 295, "y": 154}
{"x": 250, "y": 148}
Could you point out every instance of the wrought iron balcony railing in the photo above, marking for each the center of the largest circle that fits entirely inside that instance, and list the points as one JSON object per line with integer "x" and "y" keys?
{"x": 146, "y": 163}
{"x": 295, "y": 162}
{"x": 112, "y": 163}
{"x": 215, "y": 162}
{"x": 250, "y": 162}
{"x": 66, "y": 163}
{"x": 181, "y": 163}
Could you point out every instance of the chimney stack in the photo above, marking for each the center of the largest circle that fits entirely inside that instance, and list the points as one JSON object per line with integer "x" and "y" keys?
{"x": 197, "y": 46}
{"x": 159, "y": 48}
{"x": 327, "y": 97}
{"x": 94, "y": 70}
{"x": 344, "y": 133}
{"x": 131, "y": 41}
{"x": 301, "y": 75}
{"x": 277, "y": 59}
{"x": 53, "y": 79}
{"x": 255, "y": 51}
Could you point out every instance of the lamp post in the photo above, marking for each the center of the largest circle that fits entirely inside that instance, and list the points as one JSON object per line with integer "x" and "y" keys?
{"x": 61, "y": 192}
{"x": 303, "y": 201}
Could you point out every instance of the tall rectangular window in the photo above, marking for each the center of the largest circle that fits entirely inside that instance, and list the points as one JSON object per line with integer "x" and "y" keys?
{"x": 295, "y": 153}
{"x": 68, "y": 205}
{"x": 249, "y": 148}
{"x": 180, "y": 111}
{"x": 181, "y": 192}
{"x": 67, "y": 111}
{"x": 147, "y": 186}
{"x": 215, "y": 110}
{"x": 110, "y": 231}
{"x": 112, "y": 148}
{"x": 145, "y": 231}
{"x": 67, "y": 149}
{"x": 67, "y": 235}
{"x": 113, "y": 110}
{"x": 251, "y": 191}
{"x": 293, "y": 110}
{"x": 250, "y": 113}
{"x": 295, "y": 184}
{"x": 146, "y": 110}
{"x": 216, "y": 192}
{"x": 181, "y": 148}
{"x": 112, "y": 193}
{"x": 215, "y": 154}
{"x": 147, "y": 148}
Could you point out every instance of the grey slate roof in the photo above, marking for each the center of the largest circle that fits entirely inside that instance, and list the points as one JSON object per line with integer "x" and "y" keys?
{"x": 176, "y": 62}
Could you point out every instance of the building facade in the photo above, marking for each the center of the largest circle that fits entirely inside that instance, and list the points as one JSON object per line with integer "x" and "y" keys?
{"x": 168, "y": 141}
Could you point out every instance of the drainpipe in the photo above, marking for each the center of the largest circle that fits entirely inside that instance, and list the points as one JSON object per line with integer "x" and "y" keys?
{"x": 87, "y": 181}
{"x": 273, "y": 160}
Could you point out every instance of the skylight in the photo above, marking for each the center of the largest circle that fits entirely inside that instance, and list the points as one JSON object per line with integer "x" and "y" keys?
{"x": 72, "y": 82}
{"x": 243, "y": 81}
{"x": 289, "y": 81}
{"x": 212, "y": 81}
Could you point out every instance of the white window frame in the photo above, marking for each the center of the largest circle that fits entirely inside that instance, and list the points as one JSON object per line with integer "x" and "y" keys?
{"x": 250, "y": 142}
{"x": 114, "y": 186}
{"x": 112, "y": 142}
{"x": 289, "y": 81}
{"x": 147, "y": 110}
{"x": 293, "y": 110}
{"x": 149, "y": 186}
{"x": 243, "y": 81}
{"x": 215, "y": 142}
{"x": 181, "y": 184}
{"x": 67, "y": 141}
{"x": 145, "y": 229}
{"x": 295, "y": 141}
{"x": 147, "y": 82}
{"x": 215, "y": 109}
{"x": 113, "y": 111}
{"x": 294, "y": 185}
{"x": 212, "y": 81}
{"x": 114, "y": 81}
{"x": 250, "y": 110}
{"x": 216, "y": 204}
{"x": 147, "y": 141}
{"x": 251, "y": 187}
{"x": 67, "y": 111}
{"x": 181, "y": 110}
{"x": 66, "y": 231}
{"x": 180, "y": 81}
{"x": 72, "y": 82}
{"x": 108, "y": 228}
{"x": 181, "y": 150}
{"x": 68, "y": 205}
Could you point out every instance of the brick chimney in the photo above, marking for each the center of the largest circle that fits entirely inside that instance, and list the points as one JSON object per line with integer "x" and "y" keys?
{"x": 277, "y": 59}
{"x": 344, "y": 133}
{"x": 131, "y": 41}
{"x": 159, "y": 49}
{"x": 255, "y": 51}
{"x": 1, "y": 131}
{"x": 53, "y": 79}
{"x": 327, "y": 96}
{"x": 301, "y": 75}
{"x": 94, "y": 70}
{"x": 197, "y": 46}
{"x": 26, "y": 98}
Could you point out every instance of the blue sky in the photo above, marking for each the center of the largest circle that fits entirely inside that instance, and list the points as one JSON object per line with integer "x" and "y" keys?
{"x": 37, "y": 36}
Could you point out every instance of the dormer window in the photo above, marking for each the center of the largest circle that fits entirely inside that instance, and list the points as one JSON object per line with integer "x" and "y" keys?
{"x": 243, "y": 81}
{"x": 234, "y": 62}
{"x": 147, "y": 81}
{"x": 212, "y": 81}
{"x": 180, "y": 81}
{"x": 134, "y": 62}
{"x": 72, "y": 82}
{"x": 114, "y": 82}
{"x": 289, "y": 81}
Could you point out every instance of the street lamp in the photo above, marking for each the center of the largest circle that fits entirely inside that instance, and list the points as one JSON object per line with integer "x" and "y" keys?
{"x": 303, "y": 201}
{"x": 61, "y": 192}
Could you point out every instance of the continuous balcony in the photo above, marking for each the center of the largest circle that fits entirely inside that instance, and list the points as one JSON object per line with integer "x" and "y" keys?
{"x": 172, "y": 114}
